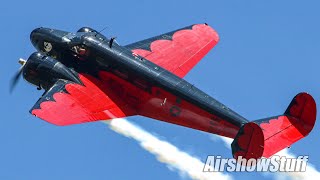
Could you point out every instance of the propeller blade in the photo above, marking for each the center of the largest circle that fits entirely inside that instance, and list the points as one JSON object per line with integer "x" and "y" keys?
{"x": 16, "y": 77}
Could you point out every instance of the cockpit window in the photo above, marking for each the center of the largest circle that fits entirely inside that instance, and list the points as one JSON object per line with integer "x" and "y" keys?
{"x": 73, "y": 37}
{"x": 70, "y": 36}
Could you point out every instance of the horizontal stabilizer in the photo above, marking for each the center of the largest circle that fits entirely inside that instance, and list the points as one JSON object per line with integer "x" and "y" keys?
{"x": 265, "y": 137}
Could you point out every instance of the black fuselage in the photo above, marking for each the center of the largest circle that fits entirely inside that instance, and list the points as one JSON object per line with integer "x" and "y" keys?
{"x": 125, "y": 64}
{"x": 105, "y": 54}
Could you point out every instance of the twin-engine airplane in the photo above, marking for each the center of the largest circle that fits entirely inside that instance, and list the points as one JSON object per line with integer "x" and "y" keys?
{"x": 88, "y": 77}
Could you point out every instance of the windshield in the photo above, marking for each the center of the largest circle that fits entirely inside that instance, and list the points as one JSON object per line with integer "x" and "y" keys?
{"x": 73, "y": 37}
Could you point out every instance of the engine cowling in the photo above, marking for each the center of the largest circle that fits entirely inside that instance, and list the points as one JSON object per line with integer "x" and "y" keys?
{"x": 43, "y": 71}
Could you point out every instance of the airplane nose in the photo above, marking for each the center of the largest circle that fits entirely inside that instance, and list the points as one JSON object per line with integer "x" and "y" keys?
{"x": 41, "y": 35}
{"x": 35, "y": 36}
{"x": 34, "y": 32}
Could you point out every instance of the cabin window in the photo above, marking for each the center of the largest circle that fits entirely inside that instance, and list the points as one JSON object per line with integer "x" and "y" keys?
{"x": 141, "y": 83}
{"x": 122, "y": 74}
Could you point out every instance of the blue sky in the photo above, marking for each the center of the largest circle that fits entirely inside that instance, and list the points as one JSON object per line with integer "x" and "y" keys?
{"x": 268, "y": 52}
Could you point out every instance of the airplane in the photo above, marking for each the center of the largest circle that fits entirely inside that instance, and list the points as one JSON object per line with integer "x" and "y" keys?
{"x": 88, "y": 77}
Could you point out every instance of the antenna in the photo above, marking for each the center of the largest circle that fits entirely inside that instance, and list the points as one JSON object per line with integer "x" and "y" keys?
{"x": 99, "y": 32}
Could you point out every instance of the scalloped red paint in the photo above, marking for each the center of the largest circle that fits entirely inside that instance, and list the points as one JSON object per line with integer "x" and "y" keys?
{"x": 184, "y": 51}
{"x": 81, "y": 104}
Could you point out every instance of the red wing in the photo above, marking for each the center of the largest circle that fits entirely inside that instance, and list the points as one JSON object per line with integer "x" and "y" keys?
{"x": 178, "y": 51}
{"x": 68, "y": 103}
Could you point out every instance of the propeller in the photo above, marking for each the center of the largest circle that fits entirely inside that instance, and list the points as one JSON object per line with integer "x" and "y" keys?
{"x": 16, "y": 77}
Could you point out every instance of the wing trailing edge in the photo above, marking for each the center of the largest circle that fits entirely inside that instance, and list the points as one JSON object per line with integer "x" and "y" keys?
{"x": 67, "y": 103}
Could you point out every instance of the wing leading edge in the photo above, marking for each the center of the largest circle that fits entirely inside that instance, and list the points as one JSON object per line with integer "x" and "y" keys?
{"x": 180, "y": 50}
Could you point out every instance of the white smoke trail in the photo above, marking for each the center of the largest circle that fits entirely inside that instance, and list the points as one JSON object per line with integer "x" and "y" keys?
{"x": 165, "y": 152}
{"x": 310, "y": 173}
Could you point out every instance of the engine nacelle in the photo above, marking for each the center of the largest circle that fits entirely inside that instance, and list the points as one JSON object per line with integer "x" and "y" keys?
{"x": 43, "y": 71}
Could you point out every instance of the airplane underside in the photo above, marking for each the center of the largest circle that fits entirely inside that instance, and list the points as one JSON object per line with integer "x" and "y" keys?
{"x": 88, "y": 77}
